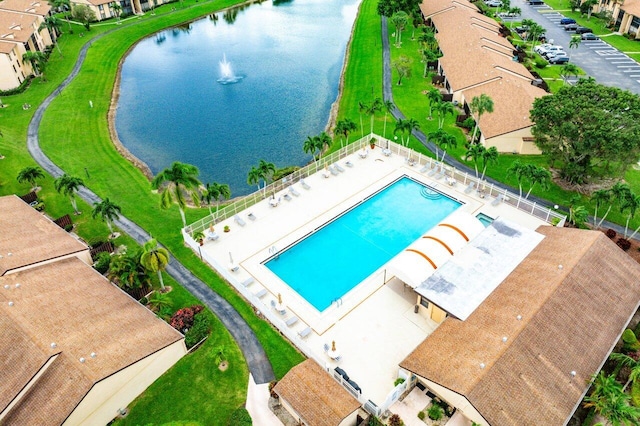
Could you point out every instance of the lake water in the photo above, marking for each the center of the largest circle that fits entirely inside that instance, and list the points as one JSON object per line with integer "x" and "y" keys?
{"x": 290, "y": 55}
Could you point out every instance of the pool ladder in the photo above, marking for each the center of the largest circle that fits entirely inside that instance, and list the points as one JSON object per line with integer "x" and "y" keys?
{"x": 274, "y": 251}
{"x": 337, "y": 301}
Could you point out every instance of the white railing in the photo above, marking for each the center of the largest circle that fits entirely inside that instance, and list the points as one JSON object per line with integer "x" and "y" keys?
{"x": 420, "y": 160}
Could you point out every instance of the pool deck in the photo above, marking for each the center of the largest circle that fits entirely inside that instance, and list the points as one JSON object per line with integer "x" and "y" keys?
{"x": 374, "y": 325}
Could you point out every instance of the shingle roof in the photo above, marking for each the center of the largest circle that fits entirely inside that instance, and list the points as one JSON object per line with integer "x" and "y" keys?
{"x": 571, "y": 316}
{"x": 17, "y": 26}
{"x": 30, "y": 237}
{"x": 632, "y": 7}
{"x": 316, "y": 397}
{"x": 6, "y": 47}
{"x": 68, "y": 303}
{"x": 36, "y": 7}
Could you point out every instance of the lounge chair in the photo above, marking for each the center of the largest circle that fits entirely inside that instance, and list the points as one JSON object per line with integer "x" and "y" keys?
{"x": 333, "y": 171}
{"x": 338, "y": 358}
{"x": 470, "y": 187}
{"x": 304, "y": 333}
{"x": 338, "y": 168}
{"x": 291, "y": 321}
{"x": 247, "y": 282}
{"x": 326, "y": 347}
{"x": 211, "y": 235}
{"x": 439, "y": 175}
{"x": 287, "y": 197}
{"x": 433, "y": 171}
{"x": 293, "y": 191}
{"x": 251, "y": 216}
{"x": 261, "y": 293}
{"x": 498, "y": 200}
{"x": 237, "y": 219}
{"x": 348, "y": 163}
{"x": 425, "y": 168}
{"x": 304, "y": 184}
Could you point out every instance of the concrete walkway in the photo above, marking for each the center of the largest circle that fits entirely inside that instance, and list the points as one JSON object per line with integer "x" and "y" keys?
{"x": 256, "y": 358}
{"x": 258, "y": 404}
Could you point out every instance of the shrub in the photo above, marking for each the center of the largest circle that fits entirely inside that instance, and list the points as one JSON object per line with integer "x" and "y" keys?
{"x": 623, "y": 243}
{"x": 39, "y": 207}
{"x": 398, "y": 381}
{"x": 395, "y": 420}
{"x": 16, "y": 91}
{"x": 240, "y": 417}
{"x": 611, "y": 233}
{"x": 435, "y": 412}
{"x": 540, "y": 63}
{"x": 183, "y": 319}
{"x": 68, "y": 228}
{"x": 630, "y": 341}
{"x": 198, "y": 331}
{"x": 272, "y": 384}
{"x": 468, "y": 123}
{"x": 637, "y": 330}
{"x": 102, "y": 262}
{"x": 635, "y": 393}
{"x": 421, "y": 415}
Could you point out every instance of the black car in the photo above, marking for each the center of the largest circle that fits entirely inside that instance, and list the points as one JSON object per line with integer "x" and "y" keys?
{"x": 536, "y": 2}
{"x": 571, "y": 27}
{"x": 521, "y": 30}
{"x": 589, "y": 36}
{"x": 583, "y": 30}
{"x": 565, "y": 21}
{"x": 560, "y": 59}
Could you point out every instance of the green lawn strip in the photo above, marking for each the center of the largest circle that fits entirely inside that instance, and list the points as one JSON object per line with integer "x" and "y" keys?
{"x": 194, "y": 388}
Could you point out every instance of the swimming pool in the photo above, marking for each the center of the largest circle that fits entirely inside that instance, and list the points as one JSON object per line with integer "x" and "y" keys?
{"x": 326, "y": 264}
{"x": 484, "y": 219}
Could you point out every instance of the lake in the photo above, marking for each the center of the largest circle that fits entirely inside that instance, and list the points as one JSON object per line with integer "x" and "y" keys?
{"x": 289, "y": 56}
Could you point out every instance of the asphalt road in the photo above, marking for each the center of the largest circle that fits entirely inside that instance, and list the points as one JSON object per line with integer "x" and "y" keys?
{"x": 598, "y": 59}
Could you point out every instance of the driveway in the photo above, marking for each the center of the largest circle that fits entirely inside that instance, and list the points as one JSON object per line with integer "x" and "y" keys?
{"x": 599, "y": 60}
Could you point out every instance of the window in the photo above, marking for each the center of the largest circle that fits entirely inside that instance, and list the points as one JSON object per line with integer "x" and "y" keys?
{"x": 424, "y": 302}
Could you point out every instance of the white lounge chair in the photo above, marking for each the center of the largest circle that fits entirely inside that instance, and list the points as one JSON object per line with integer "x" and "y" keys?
{"x": 237, "y": 219}
{"x": 291, "y": 321}
{"x": 287, "y": 197}
{"x": 333, "y": 171}
{"x": 433, "y": 171}
{"x": 425, "y": 168}
{"x": 251, "y": 216}
{"x": 304, "y": 333}
{"x": 348, "y": 163}
{"x": 293, "y": 191}
{"x": 338, "y": 168}
{"x": 261, "y": 293}
{"x": 500, "y": 198}
{"x": 469, "y": 187}
{"x": 304, "y": 184}
{"x": 247, "y": 282}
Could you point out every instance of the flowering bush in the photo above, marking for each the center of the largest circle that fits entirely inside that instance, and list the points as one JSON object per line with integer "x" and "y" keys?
{"x": 611, "y": 233}
{"x": 183, "y": 319}
{"x": 624, "y": 244}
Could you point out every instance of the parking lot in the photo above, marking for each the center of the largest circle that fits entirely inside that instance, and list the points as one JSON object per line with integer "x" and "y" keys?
{"x": 598, "y": 59}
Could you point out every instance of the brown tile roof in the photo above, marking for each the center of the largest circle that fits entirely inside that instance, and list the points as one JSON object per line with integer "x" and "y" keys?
{"x": 571, "y": 318}
{"x": 30, "y": 237}
{"x": 68, "y": 303}
{"x": 316, "y": 397}
{"x": 99, "y": 2}
{"x": 632, "y": 7}
{"x": 36, "y": 7}
{"x": 6, "y": 47}
{"x": 17, "y": 27}
{"x": 513, "y": 98}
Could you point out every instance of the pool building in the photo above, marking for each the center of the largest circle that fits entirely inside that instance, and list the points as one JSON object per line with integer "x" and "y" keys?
{"x": 464, "y": 291}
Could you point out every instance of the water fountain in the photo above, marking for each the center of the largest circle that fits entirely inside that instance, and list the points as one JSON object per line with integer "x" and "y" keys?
{"x": 226, "y": 72}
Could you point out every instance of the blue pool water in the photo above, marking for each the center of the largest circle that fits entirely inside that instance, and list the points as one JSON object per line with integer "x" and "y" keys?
{"x": 338, "y": 256}
{"x": 484, "y": 219}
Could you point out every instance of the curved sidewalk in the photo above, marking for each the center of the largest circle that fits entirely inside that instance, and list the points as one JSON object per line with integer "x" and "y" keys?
{"x": 253, "y": 352}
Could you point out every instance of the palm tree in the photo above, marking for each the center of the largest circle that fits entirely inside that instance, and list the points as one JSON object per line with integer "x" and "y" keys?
{"x": 480, "y": 105}
{"x": 569, "y": 69}
{"x": 343, "y": 128}
{"x": 117, "y": 9}
{"x": 37, "y": 60}
{"x": 401, "y": 124}
{"x": 538, "y": 175}
{"x": 155, "y": 258}
{"x": 66, "y": 6}
{"x": 310, "y": 146}
{"x": 324, "y": 141}
{"x": 516, "y": 11}
{"x": 428, "y": 56}
{"x": 627, "y": 361}
{"x": 268, "y": 169}
{"x": 520, "y": 171}
{"x": 608, "y": 400}
{"x": 362, "y": 107}
{"x": 254, "y": 175}
{"x": 127, "y": 272}
{"x": 435, "y": 97}
{"x": 443, "y": 109}
{"x": 179, "y": 180}
{"x": 107, "y": 211}
{"x": 68, "y": 186}
{"x": 215, "y": 192}
{"x": 372, "y": 108}
{"x": 444, "y": 140}
{"x": 52, "y": 24}
{"x": 631, "y": 202}
{"x": 489, "y": 155}
{"x": 428, "y": 38}
{"x": 408, "y": 126}
{"x": 387, "y": 106}
{"x": 601, "y": 197}
{"x": 30, "y": 174}
{"x": 534, "y": 32}
{"x": 475, "y": 153}
{"x": 574, "y": 42}
{"x": 399, "y": 20}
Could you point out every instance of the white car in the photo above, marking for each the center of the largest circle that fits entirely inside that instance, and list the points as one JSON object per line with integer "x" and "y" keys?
{"x": 551, "y": 50}
{"x": 493, "y": 3}
{"x": 541, "y": 48}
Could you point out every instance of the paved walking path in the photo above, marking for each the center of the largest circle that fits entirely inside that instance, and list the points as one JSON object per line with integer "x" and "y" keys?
{"x": 253, "y": 352}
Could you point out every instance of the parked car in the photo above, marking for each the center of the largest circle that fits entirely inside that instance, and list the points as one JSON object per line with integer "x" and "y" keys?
{"x": 565, "y": 21}
{"x": 551, "y": 54}
{"x": 521, "y": 30}
{"x": 550, "y": 50}
{"x": 583, "y": 30}
{"x": 541, "y": 48}
{"x": 589, "y": 36}
{"x": 560, "y": 58}
{"x": 507, "y": 15}
{"x": 536, "y": 2}
{"x": 493, "y": 3}
{"x": 571, "y": 27}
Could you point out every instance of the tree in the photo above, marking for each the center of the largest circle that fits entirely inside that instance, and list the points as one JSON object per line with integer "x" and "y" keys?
{"x": 178, "y": 182}
{"x": 64, "y": 5}
{"x": 30, "y": 174}
{"x": 515, "y": 11}
{"x": 630, "y": 203}
{"x": 475, "y": 153}
{"x": 268, "y": 169}
{"x": 444, "y": 109}
{"x": 538, "y": 175}
{"x": 117, "y": 9}
{"x": 389, "y": 7}
{"x": 587, "y": 6}
{"x": 569, "y": 69}
{"x": 84, "y": 14}
{"x": 489, "y": 156}
{"x": 574, "y": 42}
{"x": 428, "y": 56}
{"x": 407, "y": 127}
{"x": 344, "y": 128}
{"x": 127, "y": 272}
{"x": 372, "y": 108}
{"x": 155, "y": 259}
{"x": 601, "y": 197}
{"x": 399, "y": 20}
{"x": 443, "y": 140}
{"x": 215, "y": 192}
{"x": 608, "y": 400}
{"x": 362, "y": 107}
{"x": 403, "y": 67}
{"x": 627, "y": 361}
{"x": 107, "y": 211}
{"x": 253, "y": 177}
{"x": 38, "y": 61}
{"x": 52, "y": 24}
{"x": 428, "y": 38}
{"x": 590, "y": 129}
{"x": 534, "y": 31}
{"x": 520, "y": 171}
{"x": 434, "y": 96}
{"x": 387, "y": 106}
{"x": 68, "y": 186}
{"x": 479, "y": 105}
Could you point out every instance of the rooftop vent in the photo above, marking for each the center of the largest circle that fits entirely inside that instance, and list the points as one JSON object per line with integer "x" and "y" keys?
{"x": 82, "y": 360}
{"x": 53, "y": 345}
{"x": 482, "y": 365}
